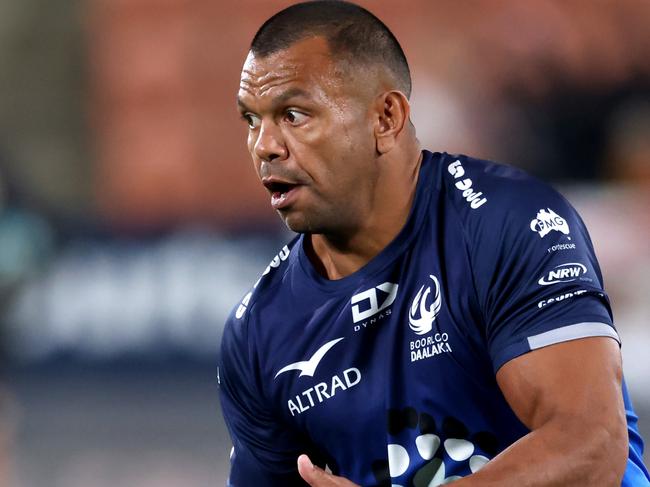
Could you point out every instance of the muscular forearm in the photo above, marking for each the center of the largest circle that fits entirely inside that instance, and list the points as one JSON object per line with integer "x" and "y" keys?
{"x": 558, "y": 454}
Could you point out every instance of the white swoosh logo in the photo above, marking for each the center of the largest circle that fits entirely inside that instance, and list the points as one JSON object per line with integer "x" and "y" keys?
{"x": 424, "y": 323}
{"x": 308, "y": 367}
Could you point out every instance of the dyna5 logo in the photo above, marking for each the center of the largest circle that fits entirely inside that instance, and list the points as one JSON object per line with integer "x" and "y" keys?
{"x": 372, "y": 301}
{"x": 465, "y": 185}
{"x": 563, "y": 273}
{"x": 275, "y": 263}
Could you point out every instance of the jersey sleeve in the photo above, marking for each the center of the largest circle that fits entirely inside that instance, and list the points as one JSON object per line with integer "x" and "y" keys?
{"x": 264, "y": 450}
{"x": 535, "y": 269}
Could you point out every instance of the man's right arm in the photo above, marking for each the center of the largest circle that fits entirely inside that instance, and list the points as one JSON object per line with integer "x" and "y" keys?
{"x": 264, "y": 449}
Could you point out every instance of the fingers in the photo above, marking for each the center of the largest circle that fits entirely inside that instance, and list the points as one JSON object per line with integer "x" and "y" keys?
{"x": 309, "y": 472}
{"x": 317, "y": 477}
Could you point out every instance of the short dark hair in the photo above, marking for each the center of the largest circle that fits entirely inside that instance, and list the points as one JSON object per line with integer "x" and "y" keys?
{"x": 351, "y": 32}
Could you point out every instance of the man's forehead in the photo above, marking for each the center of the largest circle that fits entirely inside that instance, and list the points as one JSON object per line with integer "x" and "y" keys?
{"x": 302, "y": 59}
{"x": 307, "y": 64}
{"x": 257, "y": 73}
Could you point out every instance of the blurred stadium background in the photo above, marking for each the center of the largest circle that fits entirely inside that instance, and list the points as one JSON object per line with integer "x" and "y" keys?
{"x": 131, "y": 220}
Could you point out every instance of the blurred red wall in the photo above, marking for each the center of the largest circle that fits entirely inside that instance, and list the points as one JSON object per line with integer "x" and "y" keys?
{"x": 164, "y": 73}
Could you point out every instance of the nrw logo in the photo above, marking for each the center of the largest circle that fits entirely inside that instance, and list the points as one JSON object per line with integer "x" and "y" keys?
{"x": 371, "y": 299}
{"x": 465, "y": 185}
{"x": 421, "y": 316}
{"x": 547, "y": 220}
{"x": 563, "y": 273}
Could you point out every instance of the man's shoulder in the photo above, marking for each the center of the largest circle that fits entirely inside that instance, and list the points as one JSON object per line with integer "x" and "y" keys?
{"x": 488, "y": 193}
{"x": 241, "y": 327}
{"x": 477, "y": 184}
{"x": 266, "y": 286}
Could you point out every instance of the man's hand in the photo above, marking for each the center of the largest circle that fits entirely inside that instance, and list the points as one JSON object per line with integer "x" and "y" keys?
{"x": 317, "y": 477}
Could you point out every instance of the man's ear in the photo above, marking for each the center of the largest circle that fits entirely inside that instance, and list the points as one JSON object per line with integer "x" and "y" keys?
{"x": 392, "y": 111}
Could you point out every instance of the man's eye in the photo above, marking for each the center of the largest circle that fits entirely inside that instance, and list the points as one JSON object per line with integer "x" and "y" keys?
{"x": 294, "y": 117}
{"x": 253, "y": 121}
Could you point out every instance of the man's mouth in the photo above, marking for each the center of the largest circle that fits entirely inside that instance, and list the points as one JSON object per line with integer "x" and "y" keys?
{"x": 282, "y": 193}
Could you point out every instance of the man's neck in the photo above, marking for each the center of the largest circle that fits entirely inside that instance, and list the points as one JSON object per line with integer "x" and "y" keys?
{"x": 338, "y": 256}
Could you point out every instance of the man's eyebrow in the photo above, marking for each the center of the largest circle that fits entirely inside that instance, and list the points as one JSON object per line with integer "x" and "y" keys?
{"x": 241, "y": 105}
{"x": 280, "y": 99}
{"x": 290, "y": 93}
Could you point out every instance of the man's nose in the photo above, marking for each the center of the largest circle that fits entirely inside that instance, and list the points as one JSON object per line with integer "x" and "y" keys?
{"x": 270, "y": 143}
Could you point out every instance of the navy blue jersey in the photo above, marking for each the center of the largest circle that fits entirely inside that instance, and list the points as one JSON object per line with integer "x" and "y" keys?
{"x": 387, "y": 376}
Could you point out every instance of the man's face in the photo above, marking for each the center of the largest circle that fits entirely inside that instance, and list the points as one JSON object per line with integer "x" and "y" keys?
{"x": 310, "y": 136}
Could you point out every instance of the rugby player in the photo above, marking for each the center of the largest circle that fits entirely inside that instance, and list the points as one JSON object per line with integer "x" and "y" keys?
{"x": 437, "y": 318}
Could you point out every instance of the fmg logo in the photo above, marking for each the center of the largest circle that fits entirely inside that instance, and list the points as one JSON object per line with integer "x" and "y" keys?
{"x": 563, "y": 273}
{"x": 547, "y": 220}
